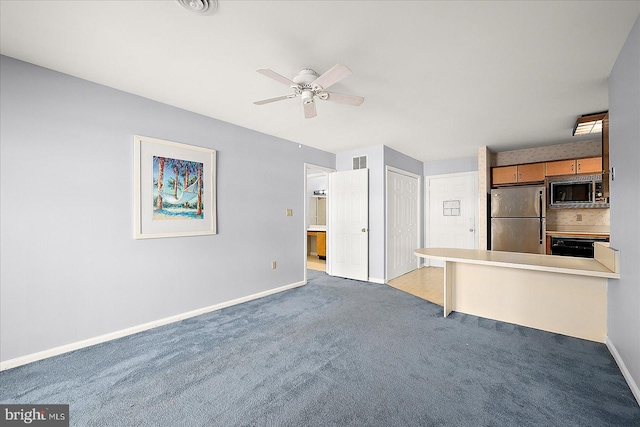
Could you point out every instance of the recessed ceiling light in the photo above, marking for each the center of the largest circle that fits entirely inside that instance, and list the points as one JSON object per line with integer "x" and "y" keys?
{"x": 589, "y": 123}
{"x": 201, "y": 7}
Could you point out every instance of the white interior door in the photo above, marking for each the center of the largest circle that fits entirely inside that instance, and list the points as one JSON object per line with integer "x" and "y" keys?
{"x": 402, "y": 222}
{"x": 349, "y": 224}
{"x": 452, "y": 212}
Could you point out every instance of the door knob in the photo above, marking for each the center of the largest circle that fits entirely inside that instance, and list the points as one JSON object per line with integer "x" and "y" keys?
{"x": 471, "y": 229}
{"x": 364, "y": 230}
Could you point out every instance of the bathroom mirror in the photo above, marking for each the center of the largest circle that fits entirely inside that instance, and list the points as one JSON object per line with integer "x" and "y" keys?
{"x": 318, "y": 210}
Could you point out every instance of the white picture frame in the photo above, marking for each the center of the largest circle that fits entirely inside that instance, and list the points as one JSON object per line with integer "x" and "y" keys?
{"x": 183, "y": 201}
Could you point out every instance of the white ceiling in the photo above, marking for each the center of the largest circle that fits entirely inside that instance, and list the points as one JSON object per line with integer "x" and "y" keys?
{"x": 439, "y": 78}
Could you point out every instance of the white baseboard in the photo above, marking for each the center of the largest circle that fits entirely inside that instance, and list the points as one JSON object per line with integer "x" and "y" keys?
{"x": 29, "y": 358}
{"x": 623, "y": 368}
{"x": 376, "y": 280}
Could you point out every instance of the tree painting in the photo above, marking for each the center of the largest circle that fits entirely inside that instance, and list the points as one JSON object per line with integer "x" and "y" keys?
{"x": 177, "y": 194}
{"x": 158, "y": 165}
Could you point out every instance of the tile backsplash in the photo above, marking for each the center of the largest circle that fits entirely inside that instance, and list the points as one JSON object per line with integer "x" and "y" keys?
{"x": 570, "y": 217}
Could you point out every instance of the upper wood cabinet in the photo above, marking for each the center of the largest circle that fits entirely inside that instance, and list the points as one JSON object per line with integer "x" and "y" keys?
{"x": 590, "y": 165}
{"x": 572, "y": 167}
{"x": 533, "y": 172}
{"x": 504, "y": 175}
{"x": 561, "y": 167}
{"x": 536, "y": 172}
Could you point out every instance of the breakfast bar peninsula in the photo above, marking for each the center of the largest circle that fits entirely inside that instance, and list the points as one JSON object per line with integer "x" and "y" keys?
{"x": 557, "y": 294}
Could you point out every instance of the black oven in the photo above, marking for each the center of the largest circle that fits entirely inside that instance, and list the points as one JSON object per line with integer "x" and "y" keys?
{"x": 574, "y": 246}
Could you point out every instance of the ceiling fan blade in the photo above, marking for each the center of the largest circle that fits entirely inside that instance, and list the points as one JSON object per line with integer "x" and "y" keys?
{"x": 309, "y": 109}
{"x": 343, "y": 99}
{"x": 277, "y": 77}
{"x": 279, "y": 98}
{"x": 333, "y": 76}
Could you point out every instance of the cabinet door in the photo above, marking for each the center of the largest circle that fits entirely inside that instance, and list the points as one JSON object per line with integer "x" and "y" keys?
{"x": 504, "y": 175}
{"x": 531, "y": 173}
{"x": 321, "y": 243}
{"x": 590, "y": 165}
{"x": 562, "y": 167}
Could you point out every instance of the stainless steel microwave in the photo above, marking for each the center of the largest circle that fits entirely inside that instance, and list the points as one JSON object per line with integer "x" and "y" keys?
{"x": 577, "y": 191}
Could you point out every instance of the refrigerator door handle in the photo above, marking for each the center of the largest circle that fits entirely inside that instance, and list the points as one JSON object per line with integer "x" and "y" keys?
{"x": 540, "y": 199}
{"x": 540, "y": 230}
{"x": 541, "y": 217}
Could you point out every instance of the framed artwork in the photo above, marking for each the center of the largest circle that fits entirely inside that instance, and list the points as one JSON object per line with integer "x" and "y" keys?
{"x": 174, "y": 189}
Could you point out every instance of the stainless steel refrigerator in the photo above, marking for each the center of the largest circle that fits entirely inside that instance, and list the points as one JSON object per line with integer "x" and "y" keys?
{"x": 518, "y": 219}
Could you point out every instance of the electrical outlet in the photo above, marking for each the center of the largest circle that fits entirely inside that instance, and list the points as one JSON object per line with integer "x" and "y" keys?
{"x": 289, "y": 212}
{"x": 273, "y": 265}
{"x": 578, "y": 217}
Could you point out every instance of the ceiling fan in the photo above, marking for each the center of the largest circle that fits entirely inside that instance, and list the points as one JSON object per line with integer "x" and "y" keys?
{"x": 308, "y": 85}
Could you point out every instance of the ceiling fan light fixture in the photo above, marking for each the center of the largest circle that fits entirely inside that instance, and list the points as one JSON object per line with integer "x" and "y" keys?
{"x": 307, "y": 97}
{"x": 200, "y": 7}
{"x": 305, "y": 77}
{"x": 307, "y": 85}
{"x": 589, "y": 123}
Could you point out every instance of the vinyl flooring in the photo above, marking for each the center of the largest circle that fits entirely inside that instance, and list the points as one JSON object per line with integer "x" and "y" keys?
{"x": 426, "y": 283}
{"x": 314, "y": 263}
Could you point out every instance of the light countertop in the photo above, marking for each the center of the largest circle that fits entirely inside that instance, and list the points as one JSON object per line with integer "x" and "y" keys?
{"x": 549, "y": 263}
{"x": 578, "y": 229}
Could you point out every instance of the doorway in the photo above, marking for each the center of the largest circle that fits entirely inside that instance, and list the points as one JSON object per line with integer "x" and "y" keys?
{"x": 452, "y": 212}
{"x": 315, "y": 213}
{"x": 347, "y": 228}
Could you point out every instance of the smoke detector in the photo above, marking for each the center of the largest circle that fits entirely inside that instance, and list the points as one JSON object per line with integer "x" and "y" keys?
{"x": 201, "y": 7}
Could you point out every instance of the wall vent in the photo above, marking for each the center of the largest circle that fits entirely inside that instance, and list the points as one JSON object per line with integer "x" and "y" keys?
{"x": 360, "y": 162}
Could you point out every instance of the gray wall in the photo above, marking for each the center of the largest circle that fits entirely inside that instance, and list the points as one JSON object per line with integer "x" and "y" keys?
{"x": 442, "y": 167}
{"x": 378, "y": 157}
{"x": 71, "y": 269}
{"x": 402, "y": 161}
{"x": 623, "y": 296}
